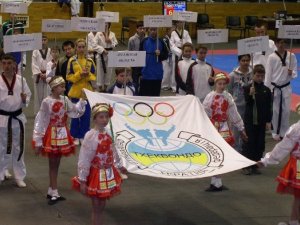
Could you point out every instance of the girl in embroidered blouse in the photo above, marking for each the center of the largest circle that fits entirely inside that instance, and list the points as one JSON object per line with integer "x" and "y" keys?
{"x": 221, "y": 109}
{"x": 98, "y": 177}
{"x": 51, "y": 136}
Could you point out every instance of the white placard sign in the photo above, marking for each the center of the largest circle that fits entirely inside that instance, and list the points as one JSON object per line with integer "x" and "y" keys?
{"x": 87, "y": 24}
{"x": 126, "y": 59}
{"x": 55, "y": 25}
{"x": 22, "y": 42}
{"x": 289, "y": 32}
{"x": 157, "y": 21}
{"x": 253, "y": 44}
{"x": 211, "y": 36}
{"x": 186, "y": 16}
{"x": 14, "y": 7}
{"x": 110, "y": 17}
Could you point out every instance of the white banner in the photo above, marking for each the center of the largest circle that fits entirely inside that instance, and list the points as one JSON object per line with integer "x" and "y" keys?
{"x": 211, "y": 36}
{"x": 157, "y": 21}
{"x": 22, "y": 42}
{"x": 126, "y": 58}
{"x": 14, "y": 7}
{"x": 185, "y": 16}
{"x": 168, "y": 137}
{"x": 289, "y": 31}
{"x": 111, "y": 17}
{"x": 55, "y": 25}
{"x": 253, "y": 44}
{"x": 87, "y": 24}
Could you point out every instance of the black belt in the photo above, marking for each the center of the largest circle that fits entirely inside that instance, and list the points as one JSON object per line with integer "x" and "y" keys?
{"x": 103, "y": 63}
{"x": 280, "y": 104}
{"x": 13, "y": 115}
{"x": 108, "y": 49}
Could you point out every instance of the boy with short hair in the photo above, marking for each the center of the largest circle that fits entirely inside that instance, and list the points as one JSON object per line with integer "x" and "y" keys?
{"x": 280, "y": 70}
{"x": 123, "y": 85}
{"x": 257, "y": 118}
{"x": 200, "y": 77}
{"x": 12, "y": 119}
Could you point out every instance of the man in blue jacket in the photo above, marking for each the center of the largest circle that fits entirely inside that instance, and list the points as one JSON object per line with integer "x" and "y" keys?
{"x": 152, "y": 73}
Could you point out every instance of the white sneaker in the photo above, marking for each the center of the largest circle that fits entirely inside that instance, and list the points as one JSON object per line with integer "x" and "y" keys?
{"x": 76, "y": 141}
{"x": 7, "y": 175}
{"x": 21, "y": 183}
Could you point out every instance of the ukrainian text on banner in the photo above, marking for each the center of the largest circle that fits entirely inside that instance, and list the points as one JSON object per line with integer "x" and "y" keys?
{"x": 168, "y": 137}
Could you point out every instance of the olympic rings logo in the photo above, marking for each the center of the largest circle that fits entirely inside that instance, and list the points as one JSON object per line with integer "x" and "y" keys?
{"x": 142, "y": 112}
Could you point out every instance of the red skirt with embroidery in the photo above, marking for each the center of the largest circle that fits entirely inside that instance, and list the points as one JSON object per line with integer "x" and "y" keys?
{"x": 101, "y": 183}
{"x": 58, "y": 142}
{"x": 289, "y": 178}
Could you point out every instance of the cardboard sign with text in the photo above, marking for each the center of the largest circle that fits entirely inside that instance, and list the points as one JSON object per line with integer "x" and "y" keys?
{"x": 253, "y": 44}
{"x": 110, "y": 17}
{"x": 185, "y": 16}
{"x": 14, "y": 7}
{"x": 157, "y": 21}
{"x": 211, "y": 36}
{"x": 22, "y": 42}
{"x": 289, "y": 32}
{"x": 126, "y": 58}
{"x": 55, "y": 25}
{"x": 86, "y": 24}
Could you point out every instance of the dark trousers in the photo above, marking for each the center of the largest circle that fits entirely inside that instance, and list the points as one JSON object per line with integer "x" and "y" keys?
{"x": 255, "y": 147}
{"x": 136, "y": 74}
{"x": 88, "y": 8}
{"x": 81, "y": 125}
{"x": 150, "y": 87}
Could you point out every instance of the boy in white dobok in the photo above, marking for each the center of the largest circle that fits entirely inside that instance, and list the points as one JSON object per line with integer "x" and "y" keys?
{"x": 40, "y": 58}
{"x": 280, "y": 70}
{"x": 14, "y": 95}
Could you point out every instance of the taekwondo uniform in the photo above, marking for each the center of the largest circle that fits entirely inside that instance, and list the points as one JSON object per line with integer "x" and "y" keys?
{"x": 104, "y": 73}
{"x": 40, "y": 58}
{"x": 12, "y": 121}
{"x": 278, "y": 80}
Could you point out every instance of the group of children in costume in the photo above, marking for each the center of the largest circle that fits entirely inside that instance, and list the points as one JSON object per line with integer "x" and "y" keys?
{"x": 246, "y": 106}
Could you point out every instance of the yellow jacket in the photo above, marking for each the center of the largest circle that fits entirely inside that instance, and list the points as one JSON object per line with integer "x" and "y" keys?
{"x": 75, "y": 65}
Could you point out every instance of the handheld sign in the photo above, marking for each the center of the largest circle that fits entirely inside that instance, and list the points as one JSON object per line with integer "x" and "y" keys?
{"x": 126, "y": 59}
{"x": 253, "y": 44}
{"x": 185, "y": 16}
{"x": 212, "y": 36}
{"x": 157, "y": 21}
{"x": 55, "y": 25}
{"x": 289, "y": 32}
{"x": 109, "y": 17}
{"x": 14, "y": 7}
{"x": 22, "y": 42}
{"x": 87, "y": 24}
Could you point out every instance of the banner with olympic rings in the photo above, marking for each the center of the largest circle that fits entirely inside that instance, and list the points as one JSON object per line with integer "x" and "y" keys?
{"x": 168, "y": 137}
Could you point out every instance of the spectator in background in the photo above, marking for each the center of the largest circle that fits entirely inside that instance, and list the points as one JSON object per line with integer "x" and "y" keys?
{"x": 73, "y": 4}
{"x": 134, "y": 45}
{"x": 152, "y": 73}
{"x": 88, "y": 8}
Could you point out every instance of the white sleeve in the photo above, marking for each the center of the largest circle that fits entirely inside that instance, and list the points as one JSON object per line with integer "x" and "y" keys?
{"x": 27, "y": 92}
{"x": 177, "y": 51}
{"x": 86, "y": 155}
{"x": 114, "y": 41}
{"x": 34, "y": 64}
{"x": 49, "y": 71}
{"x": 293, "y": 65}
{"x": 96, "y": 44}
{"x": 269, "y": 72}
{"x": 24, "y": 58}
{"x": 188, "y": 37}
{"x": 207, "y": 104}
{"x": 41, "y": 123}
{"x": 233, "y": 114}
{"x": 75, "y": 110}
{"x": 283, "y": 148}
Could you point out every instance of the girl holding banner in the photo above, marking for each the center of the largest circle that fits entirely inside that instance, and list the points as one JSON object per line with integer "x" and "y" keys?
{"x": 288, "y": 179}
{"x": 98, "y": 177}
{"x": 221, "y": 109}
{"x": 81, "y": 72}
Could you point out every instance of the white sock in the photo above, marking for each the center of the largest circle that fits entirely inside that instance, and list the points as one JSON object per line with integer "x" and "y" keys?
{"x": 49, "y": 191}
{"x": 55, "y": 193}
